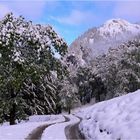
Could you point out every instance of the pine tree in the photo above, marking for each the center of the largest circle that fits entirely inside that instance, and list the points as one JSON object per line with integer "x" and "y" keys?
{"x": 67, "y": 94}
{"x": 119, "y": 68}
{"x": 27, "y": 58}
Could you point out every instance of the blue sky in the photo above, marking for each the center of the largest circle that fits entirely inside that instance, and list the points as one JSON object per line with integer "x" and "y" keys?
{"x": 71, "y": 18}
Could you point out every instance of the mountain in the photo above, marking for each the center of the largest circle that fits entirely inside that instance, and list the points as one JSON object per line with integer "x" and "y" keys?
{"x": 98, "y": 40}
{"x": 114, "y": 27}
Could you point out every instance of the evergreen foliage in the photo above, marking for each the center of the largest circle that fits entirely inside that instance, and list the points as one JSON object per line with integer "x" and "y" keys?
{"x": 27, "y": 60}
{"x": 33, "y": 80}
{"x": 120, "y": 69}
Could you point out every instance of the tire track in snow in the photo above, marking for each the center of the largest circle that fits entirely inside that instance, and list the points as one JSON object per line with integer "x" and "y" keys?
{"x": 37, "y": 132}
{"x": 72, "y": 131}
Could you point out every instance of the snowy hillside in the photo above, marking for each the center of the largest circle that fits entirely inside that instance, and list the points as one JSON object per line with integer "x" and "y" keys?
{"x": 97, "y": 41}
{"x": 117, "y": 119}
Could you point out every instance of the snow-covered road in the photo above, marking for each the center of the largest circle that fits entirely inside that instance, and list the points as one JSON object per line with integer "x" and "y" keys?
{"x": 36, "y": 134}
{"x": 72, "y": 131}
{"x": 57, "y": 131}
{"x": 53, "y": 127}
{"x": 21, "y": 131}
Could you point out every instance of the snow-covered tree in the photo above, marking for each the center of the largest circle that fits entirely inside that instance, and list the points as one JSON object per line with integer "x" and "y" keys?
{"x": 27, "y": 58}
{"x": 89, "y": 85}
{"x": 68, "y": 94}
{"x": 119, "y": 68}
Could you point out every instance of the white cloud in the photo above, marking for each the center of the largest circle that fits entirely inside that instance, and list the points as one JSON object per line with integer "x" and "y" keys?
{"x": 31, "y": 9}
{"x": 128, "y": 9}
{"x": 76, "y": 18}
{"x": 3, "y": 10}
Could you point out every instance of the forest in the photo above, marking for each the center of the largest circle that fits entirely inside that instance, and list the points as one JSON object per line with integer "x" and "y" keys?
{"x": 39, "y": 76}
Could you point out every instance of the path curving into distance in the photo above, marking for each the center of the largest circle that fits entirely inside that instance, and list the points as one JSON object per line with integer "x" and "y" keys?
{"x": 37, "y": 132}
{"x": 72, "y": 131}
{"x": 68, "y": 129}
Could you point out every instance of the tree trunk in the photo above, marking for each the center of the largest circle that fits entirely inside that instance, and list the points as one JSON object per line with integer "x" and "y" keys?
{"x": 97, "y": 97}
{"x": 81, "y": 98}
{"x": 69, "y": 110}
{"x": 12, "y": 114}
{"x": 13, "y": 107}
{"x": 58, "y": 109}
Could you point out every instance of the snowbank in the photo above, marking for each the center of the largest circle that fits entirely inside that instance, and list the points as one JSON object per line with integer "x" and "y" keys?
{"x": 22, "y": 130}
{"x": 118, "y": 118}
{"x": 57, "y": 131}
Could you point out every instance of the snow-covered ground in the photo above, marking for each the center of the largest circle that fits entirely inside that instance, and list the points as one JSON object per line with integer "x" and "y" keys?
{"x": 53, "y": 132}
{"x": 22, "y": 130}
{"x": 116, "y": 119}
{"x": 57, "y": 131}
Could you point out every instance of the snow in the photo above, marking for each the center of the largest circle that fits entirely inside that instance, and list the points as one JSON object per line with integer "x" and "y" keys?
{"x": 109, "y": 35}
{"x": 117, "y": 118}
{"x": 91, "y": 41}
{"x": 114, "y": 27}
{"x": 22, "y": 130}
{"x": 43, "y": 118}
{"x": 57, "y": 131}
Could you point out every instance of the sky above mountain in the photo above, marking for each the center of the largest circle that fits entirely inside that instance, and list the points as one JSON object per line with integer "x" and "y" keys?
{"x": 72, "y": 18}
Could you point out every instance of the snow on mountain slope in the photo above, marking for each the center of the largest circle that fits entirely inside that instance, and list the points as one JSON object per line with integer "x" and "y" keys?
{"x": 115, "y": 27}
{"x": 117, "y": 119}
{"x": 97, "y": 41}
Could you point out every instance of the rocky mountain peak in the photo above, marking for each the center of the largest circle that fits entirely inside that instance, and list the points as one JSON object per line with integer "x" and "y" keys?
{"x": 97, "y": 41}
{"x": 115, "y": 27}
